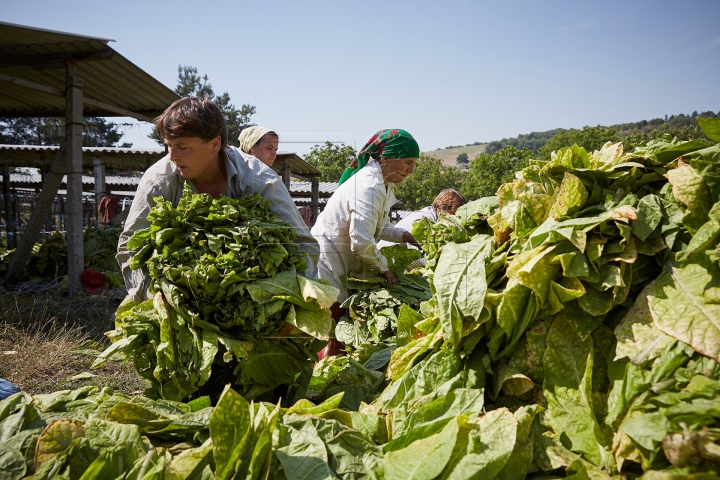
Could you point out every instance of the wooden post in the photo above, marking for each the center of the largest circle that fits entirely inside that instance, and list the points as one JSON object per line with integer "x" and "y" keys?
{"x": 314, "y": 198}
{"x": 73, "y": 135}
{"x": 34, "y": 225}
{"x": 15, "y": 214}
{"x": 11, "y": 242}
{"x": 286, "y": 174}
{"x": 99, "y": 171}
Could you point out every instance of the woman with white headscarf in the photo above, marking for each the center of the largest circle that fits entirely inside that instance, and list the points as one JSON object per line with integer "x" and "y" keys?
{"x": 261, "y": 143}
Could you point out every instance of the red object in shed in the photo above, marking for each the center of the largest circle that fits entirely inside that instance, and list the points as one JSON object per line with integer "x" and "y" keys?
{"x": 93, "y": 281}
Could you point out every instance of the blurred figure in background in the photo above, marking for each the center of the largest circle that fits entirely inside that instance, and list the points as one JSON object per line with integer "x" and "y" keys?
{"x": 447, "y": 201}
{"x": 261, "y": 143}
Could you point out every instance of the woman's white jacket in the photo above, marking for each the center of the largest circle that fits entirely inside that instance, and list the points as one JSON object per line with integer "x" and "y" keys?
{"x": 354, "y": 219}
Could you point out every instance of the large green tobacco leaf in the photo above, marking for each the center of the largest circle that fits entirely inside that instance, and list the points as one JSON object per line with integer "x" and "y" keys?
{"x": 303, "y": 454}
{"x": 191, "y": 464}
{"x": 422, "y": 379}
{"x": 569, "y": 198}
{"x": 12, "y": 464}
{"x": 535, "y": 269}
{"x": 345, "y": 446}
{"x": 711, "y": 127}
{"x": 568, "y": 364}
{"x": 399, "y": 256}
{"x": 431, "y": 418}
{"x": 56, "y": 438}
{"x": 685, "y": 304}
{"x": 488, "y": 448}
{"x": 460, "y": 284}
{"x": 425, "y": 458}
{"x": 690, "y": 189}
{"x": 521, "y": 458}
{"x": 706, "y": 238}
{"x": 650, "y": 214}
{"x": 229, "y": 431}
{"x": 637, "y": 336}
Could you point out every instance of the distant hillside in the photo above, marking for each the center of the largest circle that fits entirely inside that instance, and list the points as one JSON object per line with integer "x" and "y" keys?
{"x": 535, "y": 140}
{"x": 449, "y": 155}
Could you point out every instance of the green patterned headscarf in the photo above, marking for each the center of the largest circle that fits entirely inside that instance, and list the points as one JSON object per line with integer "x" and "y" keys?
{"x": 390, "y": 143}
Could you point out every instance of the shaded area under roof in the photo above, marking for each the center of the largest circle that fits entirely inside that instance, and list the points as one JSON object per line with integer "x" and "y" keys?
{"x": 42, "y": 156}
{"x": 112, "y": 85}
{"x": 298, "y": 167}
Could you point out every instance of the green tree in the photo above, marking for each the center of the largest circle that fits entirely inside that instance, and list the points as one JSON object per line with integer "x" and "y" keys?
{"x": 462, "y": 159}
{"x": 590, "y": 138}
{"x": 430, "y": 177}
{"x": 331, "y": 159}
{"x": 97, "y": 132}
{"x": 191, "y": 84}
{"x": 487, "y": 172}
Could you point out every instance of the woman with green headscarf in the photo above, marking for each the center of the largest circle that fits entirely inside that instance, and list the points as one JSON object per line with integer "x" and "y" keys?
{"x": 358, "y": 213}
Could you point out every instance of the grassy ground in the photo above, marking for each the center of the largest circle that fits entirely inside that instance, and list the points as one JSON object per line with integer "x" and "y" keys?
{"x": 449, "y": 156}
{"x": 47, "y": 343}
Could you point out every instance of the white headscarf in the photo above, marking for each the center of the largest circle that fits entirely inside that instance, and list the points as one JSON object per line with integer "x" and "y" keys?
{"x": 250, "y": 136}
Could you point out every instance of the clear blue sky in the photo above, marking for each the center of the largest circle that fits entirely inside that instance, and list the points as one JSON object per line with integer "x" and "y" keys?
{"x": 450, "y": 72}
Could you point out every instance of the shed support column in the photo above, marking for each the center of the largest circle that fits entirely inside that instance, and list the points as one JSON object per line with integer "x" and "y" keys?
{"x": 99, "y": 171}
{"x": 11, "y": 240}
{"x": 286, "y": 174}
{"x": 314, "y": 198}
{"x": 37, "y": 219}
{"x": 73, "y": 132}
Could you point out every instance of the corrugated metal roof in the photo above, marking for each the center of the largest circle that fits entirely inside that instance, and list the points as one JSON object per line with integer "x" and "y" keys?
{"x": 111, "y": 180}
{"x": 42, "y": 156}
{"x": 302, "y": 187}
{"x": 28, "y": 53}
{"x": 298, "y": 166}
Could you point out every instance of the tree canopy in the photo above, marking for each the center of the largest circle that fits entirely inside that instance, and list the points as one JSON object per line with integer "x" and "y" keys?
{"x": 191, "y": 84}
{"x": 590, "y": 138}
{"x": 463, "y": 159}
{"x": 97, "y": 132}
{"x": 331, "y": 159}
{"x": 430, "y": 177}
{"x": 488, "y": 171}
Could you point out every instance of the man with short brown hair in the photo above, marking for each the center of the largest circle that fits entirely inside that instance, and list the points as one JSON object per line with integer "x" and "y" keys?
{"x": 195, "y": 132}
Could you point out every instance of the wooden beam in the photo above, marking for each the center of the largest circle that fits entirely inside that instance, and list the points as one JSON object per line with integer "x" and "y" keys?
{"x": 11, "y": 240}
{"x": 286, "y": 174}
{"x": 73, "y": 135}
{"x": 100, "y": 191}
{"x": 55, "y": 60}
{"x": 86, "y": 101}
{"x": 37, "y": 219}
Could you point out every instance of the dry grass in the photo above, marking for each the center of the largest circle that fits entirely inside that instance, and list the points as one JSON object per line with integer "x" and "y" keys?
{"x": 46, "y": 340}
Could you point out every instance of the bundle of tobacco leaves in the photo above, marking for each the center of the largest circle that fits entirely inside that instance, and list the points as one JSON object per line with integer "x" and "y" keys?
{"x": 227, "y": 306}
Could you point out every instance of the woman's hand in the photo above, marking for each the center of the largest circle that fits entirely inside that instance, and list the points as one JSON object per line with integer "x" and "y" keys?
{"x": 390, "y": 277}
{"x": 408, "y": 238}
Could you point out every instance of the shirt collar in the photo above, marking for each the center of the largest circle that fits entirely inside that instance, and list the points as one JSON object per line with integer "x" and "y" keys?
{"x": 229, "y": 166}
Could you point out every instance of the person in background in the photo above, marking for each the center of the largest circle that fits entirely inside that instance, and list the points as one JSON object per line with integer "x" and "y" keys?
{"x": 357, "y": 215}
{"x": 447, "y": 201}
{"x": 195, "y": 132}
{"x": 261, "y": 143}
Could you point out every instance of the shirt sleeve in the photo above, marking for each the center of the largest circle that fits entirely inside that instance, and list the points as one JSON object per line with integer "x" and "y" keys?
{"x": 137, "y": 282}
{"x": 364, "y": 218}
{"x": 283, "y": 206}
{"x": 392, "y": 233}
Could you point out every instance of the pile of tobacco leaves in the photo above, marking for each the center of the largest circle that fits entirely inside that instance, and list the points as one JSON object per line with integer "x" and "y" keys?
{"x": 374, "y": 305}
{"x": 227, "y": 305}
{"x": 48, "y": 259}
{"x": 573, "y": 331}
